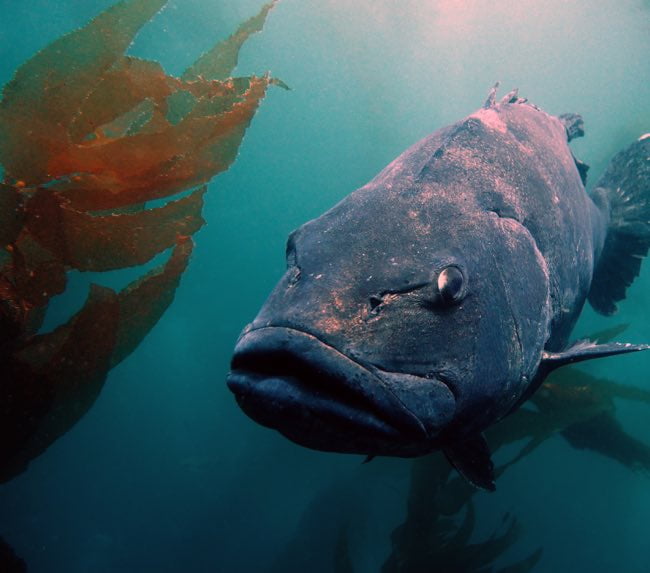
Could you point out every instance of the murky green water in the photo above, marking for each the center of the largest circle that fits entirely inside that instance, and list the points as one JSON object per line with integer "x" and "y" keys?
{"x": 165, "y": 473}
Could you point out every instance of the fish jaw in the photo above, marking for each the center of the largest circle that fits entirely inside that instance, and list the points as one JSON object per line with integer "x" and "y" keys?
{"x": 318, "y": 397}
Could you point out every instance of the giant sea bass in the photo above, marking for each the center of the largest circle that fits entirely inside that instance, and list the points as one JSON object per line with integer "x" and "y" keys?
{"x": 433, "y": 301}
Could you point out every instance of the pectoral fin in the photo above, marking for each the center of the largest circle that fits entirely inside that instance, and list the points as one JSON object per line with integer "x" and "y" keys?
{"x": 586, "y": 350}
{"x": 471, "y": 457}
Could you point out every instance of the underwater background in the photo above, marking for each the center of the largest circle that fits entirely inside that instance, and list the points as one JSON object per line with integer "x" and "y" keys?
{"x": 165, "y": 473}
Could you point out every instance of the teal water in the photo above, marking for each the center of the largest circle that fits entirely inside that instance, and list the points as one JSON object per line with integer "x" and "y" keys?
{"x": 165, "y": 474}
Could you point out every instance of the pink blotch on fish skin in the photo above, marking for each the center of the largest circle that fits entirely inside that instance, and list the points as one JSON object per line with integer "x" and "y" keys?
{"x": 491, "y": 119}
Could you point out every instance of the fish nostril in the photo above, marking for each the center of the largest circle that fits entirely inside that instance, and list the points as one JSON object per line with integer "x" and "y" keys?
{"x": 294, "y": 277}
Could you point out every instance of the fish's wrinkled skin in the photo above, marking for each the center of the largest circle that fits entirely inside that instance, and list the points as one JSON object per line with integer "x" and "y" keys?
{"x": 431, "y": 302}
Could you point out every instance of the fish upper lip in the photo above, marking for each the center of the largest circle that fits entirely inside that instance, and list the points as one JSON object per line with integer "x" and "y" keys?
{"x": 365, "y": 390}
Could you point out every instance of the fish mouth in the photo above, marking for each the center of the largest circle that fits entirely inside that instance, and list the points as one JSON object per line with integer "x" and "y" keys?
{"x": 321, "y": 398}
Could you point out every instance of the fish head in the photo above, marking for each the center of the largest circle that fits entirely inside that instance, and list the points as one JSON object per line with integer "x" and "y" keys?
{"x": 403, "y": 321}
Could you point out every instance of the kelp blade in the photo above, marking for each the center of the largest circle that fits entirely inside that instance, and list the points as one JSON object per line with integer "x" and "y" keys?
{"x": 46, "y": 93}
{"x": 88, "y": 136}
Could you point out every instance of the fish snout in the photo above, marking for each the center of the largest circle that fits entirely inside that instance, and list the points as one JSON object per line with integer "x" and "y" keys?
{"x": 319, "y": 397}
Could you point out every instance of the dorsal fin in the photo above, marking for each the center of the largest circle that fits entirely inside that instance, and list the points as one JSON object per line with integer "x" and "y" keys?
{"x": 573, "y": 124}
{"x": 623, "y": 196}
{"x": 511, "y": 97}
{"x": 492, "y": 96}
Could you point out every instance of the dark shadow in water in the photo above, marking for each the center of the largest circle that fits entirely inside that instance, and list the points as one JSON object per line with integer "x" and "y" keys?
{"x": 9, "y": 561}
{"x": 321, "y": 543}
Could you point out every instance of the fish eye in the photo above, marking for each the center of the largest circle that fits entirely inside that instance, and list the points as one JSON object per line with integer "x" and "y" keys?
{"x": 452, "y": 284}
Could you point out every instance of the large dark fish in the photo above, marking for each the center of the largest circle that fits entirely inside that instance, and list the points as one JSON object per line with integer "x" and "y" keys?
{"x": 434, "y": 300}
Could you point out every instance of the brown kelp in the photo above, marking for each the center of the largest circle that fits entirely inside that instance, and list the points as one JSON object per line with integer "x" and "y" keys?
{"x": 434, "y": 539}
{"x": 572, "y": 404}
{"x": 88, "y": 135}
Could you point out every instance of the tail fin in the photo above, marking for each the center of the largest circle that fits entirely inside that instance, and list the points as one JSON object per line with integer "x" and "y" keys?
{"x": 624, "y": 190}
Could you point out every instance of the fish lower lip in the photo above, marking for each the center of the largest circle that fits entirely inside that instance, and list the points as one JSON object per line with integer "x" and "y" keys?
{"x": 290, "y": 380}
{"x": 288, "y": 405}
